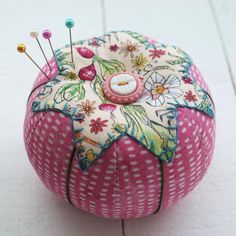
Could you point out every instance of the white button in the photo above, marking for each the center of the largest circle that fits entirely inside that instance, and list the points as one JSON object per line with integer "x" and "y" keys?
{"x": 123, "y": 84}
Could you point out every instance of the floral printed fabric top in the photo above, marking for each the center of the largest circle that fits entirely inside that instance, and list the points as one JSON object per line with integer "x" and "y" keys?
{"x": 152, "y": 120}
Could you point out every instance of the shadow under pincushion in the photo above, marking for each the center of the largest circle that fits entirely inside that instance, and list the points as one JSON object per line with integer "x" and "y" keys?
{"x": 127, "y": 180}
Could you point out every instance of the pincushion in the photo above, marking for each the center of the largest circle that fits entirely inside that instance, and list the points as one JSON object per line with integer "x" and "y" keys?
{"x": 124, "y": 131}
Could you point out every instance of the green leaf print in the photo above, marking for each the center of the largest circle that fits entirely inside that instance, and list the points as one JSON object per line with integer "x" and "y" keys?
{"x": 153, "y": 135}
{"x": 70, "y": 91}
{"x": 206, "y": 105}
{"x": 97, "y": 88}
{"x": 109, "y": 67}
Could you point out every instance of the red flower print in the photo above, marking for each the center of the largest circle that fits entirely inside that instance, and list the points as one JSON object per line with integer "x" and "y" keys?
{"x": 156, "y": 53}
{"x": 113, "y": 48}
{"x": 189, "y": 96}
{"x": 187, "y": 80}
{"x": 97, "y": 125}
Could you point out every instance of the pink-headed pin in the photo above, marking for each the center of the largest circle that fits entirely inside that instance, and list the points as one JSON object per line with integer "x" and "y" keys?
{"x": 34, "y": 34}
{"x": 47, "y": 34}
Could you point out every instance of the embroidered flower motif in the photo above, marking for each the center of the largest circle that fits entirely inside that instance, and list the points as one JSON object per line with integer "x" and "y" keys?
{"x": 113, "y": 48}
{"x": 90, "y": 155}
{"x": 187, "y": 80}
{"x": 97, "y": 125}
{"x": 189, "y": 96}
{"x": 139, "y": 62}
{"x": 118, "y": 128}
{"x": 128, "y": 48}
{"x": 70, "y": 76}
{"x": 87, "y": 107}
{"x": 68, "y": 109}
{"x": 159, "y": 88}
{"x": 156, "y": 53}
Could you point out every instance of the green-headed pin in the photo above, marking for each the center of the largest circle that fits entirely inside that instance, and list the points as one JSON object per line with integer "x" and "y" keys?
{"x": 69, "y": 23}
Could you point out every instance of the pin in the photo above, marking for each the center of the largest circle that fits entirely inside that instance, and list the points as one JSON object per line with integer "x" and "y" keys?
{"x": 21, "y": 48}
{"x": 35, "y": 34}
{"x": 47, "y": 34}
{"x": 69, "y": 24}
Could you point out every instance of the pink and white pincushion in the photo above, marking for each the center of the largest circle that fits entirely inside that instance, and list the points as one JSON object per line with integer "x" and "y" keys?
{"x": 125, "y": 131}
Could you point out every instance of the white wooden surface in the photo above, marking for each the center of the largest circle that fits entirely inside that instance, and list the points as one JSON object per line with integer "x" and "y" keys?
{"x": 205, "y": 29}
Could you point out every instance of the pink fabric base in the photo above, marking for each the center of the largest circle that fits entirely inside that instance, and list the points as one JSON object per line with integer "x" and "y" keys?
{"x": 126, "y": 181}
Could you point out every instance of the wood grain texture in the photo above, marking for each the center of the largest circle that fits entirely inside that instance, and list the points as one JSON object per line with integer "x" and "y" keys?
{"x": 206, "y": 30}
{"x": 224, "y": 16}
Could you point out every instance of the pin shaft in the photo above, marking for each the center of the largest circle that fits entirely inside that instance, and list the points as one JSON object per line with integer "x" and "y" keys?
{"x": 36, "y": 64}
{"x": 43, "y": 54}
{"x": 71, "y": 49}
{"x": 53, "y": 53}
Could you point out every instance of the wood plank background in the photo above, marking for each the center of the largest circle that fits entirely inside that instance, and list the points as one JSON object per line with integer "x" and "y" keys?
{"x": 206, "y": 29}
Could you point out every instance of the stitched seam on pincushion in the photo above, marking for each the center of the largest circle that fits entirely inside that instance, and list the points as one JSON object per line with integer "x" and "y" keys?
{"x": 44, "y": 83}
{"x": 70, "y": 161}
{"x": 68, "y": 175}
{"x": 33, "y": 90}
{"x": 162, "y": 188}
{"x": 40, "y": 120}
{"x": 210, "y": 157}
{"x": 116, "y": 178}
{"x": 206, "y": 156}
{"x": 162, "y": 167}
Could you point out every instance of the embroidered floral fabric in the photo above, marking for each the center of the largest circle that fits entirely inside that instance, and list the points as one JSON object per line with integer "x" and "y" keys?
{"x": 152, "y": 120}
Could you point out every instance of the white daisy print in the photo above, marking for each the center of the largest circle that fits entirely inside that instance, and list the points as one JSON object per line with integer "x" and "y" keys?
{"x": 158, "y": 88}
